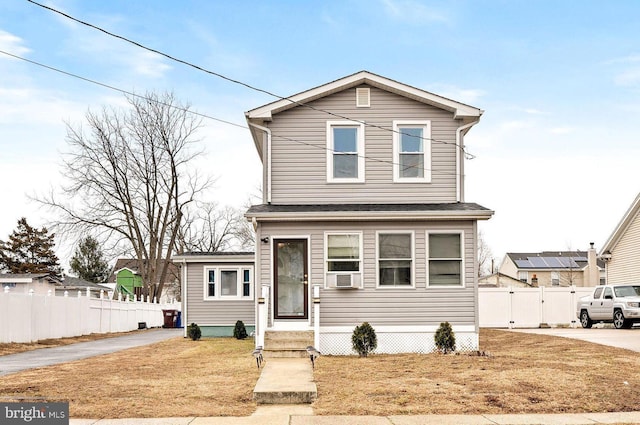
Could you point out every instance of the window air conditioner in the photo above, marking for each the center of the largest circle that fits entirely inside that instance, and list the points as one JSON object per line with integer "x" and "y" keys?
{"x": 344, "y": 280}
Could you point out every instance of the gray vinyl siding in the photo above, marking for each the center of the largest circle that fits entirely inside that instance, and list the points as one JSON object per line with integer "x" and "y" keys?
{"x": 624, "y": 266}
{"x": 299, "y": 156}
{"x": 381, "y": 306}
{"x": 215, "y": 312}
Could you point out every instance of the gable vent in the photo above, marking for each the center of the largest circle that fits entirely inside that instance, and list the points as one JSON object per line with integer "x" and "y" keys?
{"x": 363, "y": 99}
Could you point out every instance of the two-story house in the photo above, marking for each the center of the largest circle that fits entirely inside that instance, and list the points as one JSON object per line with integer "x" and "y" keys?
{"x": 364, "y": 217}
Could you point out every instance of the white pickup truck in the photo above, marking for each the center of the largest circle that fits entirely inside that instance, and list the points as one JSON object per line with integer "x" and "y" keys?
{"x": 617, "y": 304}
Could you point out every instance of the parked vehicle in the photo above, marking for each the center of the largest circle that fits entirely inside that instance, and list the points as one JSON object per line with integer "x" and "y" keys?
{"x": 617, "y": 304}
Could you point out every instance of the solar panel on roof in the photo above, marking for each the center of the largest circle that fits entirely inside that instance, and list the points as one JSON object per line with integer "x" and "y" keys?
{"x": 523, "y": 264}
{"x": 553, "y": 262}
{"x": 538, "y": 262}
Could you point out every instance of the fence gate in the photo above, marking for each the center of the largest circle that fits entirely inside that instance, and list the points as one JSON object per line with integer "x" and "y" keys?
{"x": 529, "y": 307}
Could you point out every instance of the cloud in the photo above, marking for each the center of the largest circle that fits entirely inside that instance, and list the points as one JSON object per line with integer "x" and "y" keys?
{"x": 413, "y": 12}
{"x": 628, "y": 72}
{"x": 562, "y": 130}
{"x": 458, "y": 94}
{"x": 12, "y": 44}
{"x": 149, "y": 64}
{"x": 534, "y": 111}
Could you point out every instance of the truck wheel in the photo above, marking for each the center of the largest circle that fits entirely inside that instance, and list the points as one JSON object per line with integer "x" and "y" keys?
{"x": 585, "y": 320}
{"x": 619, "y": 321}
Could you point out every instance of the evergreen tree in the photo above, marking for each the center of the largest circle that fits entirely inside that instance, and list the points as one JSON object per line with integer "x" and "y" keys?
{"x": 88, "y": 262}
{"x": 29, "y": 250}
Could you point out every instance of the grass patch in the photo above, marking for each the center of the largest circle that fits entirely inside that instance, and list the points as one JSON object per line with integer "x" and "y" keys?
{"x": 525, "y": 373}
{"x": 173, "y": 378}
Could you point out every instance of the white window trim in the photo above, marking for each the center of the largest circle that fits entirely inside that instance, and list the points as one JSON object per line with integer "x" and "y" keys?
{"x": 463, "y": 282}
{"x": 240, "y": 281}
{"x": 360, "y": 153}
{"x": 326, "y": 253}
{"x": 397, "y": 124}
{"x": 526, "y": 273}
{"x": 413, "y": 259}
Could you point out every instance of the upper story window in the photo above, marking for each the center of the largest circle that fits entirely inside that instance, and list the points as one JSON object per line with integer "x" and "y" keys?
{"x": 345, "y": 152}
{"x": 228, "y": 283}
{"x": 445, "y": 259}
{"x": 395, "y": 259}
{"x": 412, "y": 151}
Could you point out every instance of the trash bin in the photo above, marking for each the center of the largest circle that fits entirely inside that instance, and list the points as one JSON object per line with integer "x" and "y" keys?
{"x": 179, "y": 320}
{"x": 170, "y": 317}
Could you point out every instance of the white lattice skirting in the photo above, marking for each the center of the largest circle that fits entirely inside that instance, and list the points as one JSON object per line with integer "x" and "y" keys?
{"x": 337, "y": 341}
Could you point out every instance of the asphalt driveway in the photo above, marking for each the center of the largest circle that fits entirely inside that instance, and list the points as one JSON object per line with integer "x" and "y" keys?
{"x": 67, "y": 353}
{"x": 621, "y": 338}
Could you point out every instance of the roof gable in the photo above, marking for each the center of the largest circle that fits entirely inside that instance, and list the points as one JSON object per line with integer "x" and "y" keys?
{"x": 459, "y": 110}
{"x": 622, "y": 226}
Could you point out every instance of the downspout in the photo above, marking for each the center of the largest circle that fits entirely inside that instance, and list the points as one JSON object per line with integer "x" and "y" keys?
{"x": 183, "y": 293}
{"x": 268, "y": 165}
{"x": 459, "y": 157}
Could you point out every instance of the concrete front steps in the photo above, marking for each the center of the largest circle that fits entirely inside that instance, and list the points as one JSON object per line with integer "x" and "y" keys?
{"x": 292, "y": 344}
{"x": 287, "y": 376}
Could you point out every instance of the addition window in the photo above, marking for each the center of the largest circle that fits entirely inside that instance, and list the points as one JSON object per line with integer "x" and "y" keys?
{"x": 345, "y": 152}
{"x": 445, "y": 259}
{"x": 228, "y": 283}
{"x": 395, "y": 259}
{"x": 523, "y": 276}
{"x": 555, "y": 278}
{"x": 412, "y": 151}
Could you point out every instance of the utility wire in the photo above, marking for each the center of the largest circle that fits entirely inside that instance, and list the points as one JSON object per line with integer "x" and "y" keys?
{"x": 238, "y": 82}
{"x": 130, "y": 93}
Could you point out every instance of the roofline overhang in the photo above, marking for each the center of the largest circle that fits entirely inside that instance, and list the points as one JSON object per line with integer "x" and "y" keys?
{"x": 371, "y": 216}
{"x": 459, "y": 110}
{"x": 622, "y": 226}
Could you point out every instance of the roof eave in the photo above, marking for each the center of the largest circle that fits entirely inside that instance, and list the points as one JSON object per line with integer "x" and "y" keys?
{"x": 213, "y": 258}
{"x": 371, "y": 215}
{"x": 622, "y": 226}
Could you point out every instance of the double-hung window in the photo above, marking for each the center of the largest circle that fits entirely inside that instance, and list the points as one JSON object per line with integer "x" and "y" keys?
{"x": 345, "y": 152}
{"x": 445, "y": 259}
{"x": 395, "y": 259}
{"x": 343, "y": 257}
{"x": 412, "y": 151}
{"x": 228, "y": 283}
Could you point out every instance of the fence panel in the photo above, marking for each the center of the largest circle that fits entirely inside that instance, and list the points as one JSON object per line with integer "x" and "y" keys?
{"x": 529, "y": 307}
{"x": 30, "y": 318}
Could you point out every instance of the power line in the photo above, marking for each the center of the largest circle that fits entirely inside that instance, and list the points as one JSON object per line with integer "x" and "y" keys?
{"x": 238, "y": 82}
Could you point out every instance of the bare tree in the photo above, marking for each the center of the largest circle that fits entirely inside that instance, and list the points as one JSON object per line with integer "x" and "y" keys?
{"x": 213, "y": 229}
{"x": 131, "y": 180}
{"x": 485, "y": 256}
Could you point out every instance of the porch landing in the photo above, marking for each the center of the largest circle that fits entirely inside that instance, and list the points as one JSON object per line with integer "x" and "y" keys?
{"x": 286, "y": 381}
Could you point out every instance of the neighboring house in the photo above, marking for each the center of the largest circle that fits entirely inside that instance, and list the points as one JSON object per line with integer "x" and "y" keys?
{"x": 555, "y": 268}
{"x": 499, "y": 280}
{"x": 128, "y": 281}
{"x": 72, "y": 285}
{"x": 621, "y": 252}
{"x": 221, "y": 291}
{"x": 364, "y": 216}
{"x": 41, "y": 283}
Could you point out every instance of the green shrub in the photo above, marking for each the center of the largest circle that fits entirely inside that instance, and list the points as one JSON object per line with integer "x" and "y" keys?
{"x": 194, "y": 332}
{"x": 445, "y": 338}
{"x": 364, "y": 339}
{"x": 239, "y": 332}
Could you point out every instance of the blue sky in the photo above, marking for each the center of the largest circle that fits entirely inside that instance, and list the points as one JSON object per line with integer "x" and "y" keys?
{"x": 556, "y": 150}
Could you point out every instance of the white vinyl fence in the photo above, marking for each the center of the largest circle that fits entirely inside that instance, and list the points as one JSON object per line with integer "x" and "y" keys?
{"x": 529, "y": 307}
{"x": 29, "y": 317}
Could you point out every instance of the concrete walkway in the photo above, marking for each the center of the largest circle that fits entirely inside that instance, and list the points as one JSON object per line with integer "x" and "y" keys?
{"x": 286, "y": 381}
{"x": 303, "y": 415}
{"x": 621, "y": 338}
{"x": 14, "y": 363}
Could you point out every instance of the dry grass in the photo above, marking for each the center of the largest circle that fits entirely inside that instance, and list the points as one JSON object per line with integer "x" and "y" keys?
{"x": 525, "y": 373}
{"x": 173, "y": 378}
{"x": 13, "y": 348}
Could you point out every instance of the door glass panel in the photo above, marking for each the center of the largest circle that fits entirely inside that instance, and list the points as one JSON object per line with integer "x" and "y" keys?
{"x": 291, "y": 279}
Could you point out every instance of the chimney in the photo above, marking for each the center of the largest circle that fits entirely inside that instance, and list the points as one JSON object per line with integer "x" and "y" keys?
{"x": 591, "y": 272}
